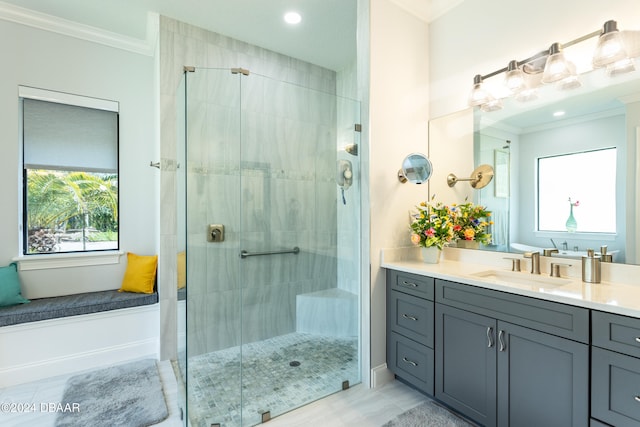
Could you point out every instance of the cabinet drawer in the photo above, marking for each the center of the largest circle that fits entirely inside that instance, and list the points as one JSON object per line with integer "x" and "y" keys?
{"x": 554, "y": 318}
{"x": 413, "y": 284}
{"x": 412, "y": 317}
{"x": 411, "y": 361}
{"x": 615, "y": 388}
{"x": 617, "y": 333}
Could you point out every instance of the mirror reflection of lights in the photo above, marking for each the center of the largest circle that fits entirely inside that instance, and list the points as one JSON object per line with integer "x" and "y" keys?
{"x": 292, "y": 18}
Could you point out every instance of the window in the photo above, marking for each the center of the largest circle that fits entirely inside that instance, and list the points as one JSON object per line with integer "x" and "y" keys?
{"x": 588, "y": 178}
{"x": 70, "y": 173}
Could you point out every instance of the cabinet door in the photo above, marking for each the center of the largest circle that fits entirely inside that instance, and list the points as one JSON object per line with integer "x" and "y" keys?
{"x": 466, "y": 363}
{"x": 543, "y": 380}
{"x": 615, "y": 388}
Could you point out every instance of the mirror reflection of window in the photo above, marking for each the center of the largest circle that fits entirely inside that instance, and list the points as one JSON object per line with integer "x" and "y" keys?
{"x": 588, "y": 178}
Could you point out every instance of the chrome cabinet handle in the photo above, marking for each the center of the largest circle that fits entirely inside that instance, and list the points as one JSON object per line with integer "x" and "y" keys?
{"x": 410, "y": 362}
{"x": 637, "y": 339}
{"x": 404, "y": 282}
{"x": 489, "y": 337}
{"x": 407, "y": 316}
{"x": 637, "y": 398}
{"x": 501, "y": 339}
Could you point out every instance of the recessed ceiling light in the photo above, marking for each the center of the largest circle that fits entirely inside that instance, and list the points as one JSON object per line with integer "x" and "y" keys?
{"x": 292, "y": 18}
{"x": 558, "y": 114}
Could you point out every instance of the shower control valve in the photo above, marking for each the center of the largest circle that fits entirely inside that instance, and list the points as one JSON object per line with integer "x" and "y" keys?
{"x": 215, "y": 233}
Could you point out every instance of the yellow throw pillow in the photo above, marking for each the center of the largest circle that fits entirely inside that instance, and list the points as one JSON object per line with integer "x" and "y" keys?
{"x": 182, "y": 269}
{"x": 140, "y": 275}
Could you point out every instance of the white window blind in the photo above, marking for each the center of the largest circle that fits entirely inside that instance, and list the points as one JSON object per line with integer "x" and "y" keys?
{"x": 67, "y": 137}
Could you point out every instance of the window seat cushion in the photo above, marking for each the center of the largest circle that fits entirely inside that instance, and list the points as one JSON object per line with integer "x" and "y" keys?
{"x": 73, "y": 305}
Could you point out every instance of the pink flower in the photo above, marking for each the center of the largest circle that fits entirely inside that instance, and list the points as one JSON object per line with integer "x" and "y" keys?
{"x": 430, "y": 232}
{"x": 415, "y": 239}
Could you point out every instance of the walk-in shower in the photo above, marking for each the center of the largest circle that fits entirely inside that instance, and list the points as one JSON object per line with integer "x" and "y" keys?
{"x": 271, "y": 232}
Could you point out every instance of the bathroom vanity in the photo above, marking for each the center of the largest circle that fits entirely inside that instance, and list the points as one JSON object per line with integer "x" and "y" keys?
{"x": 514, "y": 349}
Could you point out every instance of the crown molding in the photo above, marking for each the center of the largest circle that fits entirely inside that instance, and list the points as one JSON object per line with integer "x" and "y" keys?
{"x": 42, "y": 21}
{"x": 427, "y": 10}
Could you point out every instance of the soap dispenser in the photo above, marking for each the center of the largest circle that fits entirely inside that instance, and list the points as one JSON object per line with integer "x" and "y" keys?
{"x": 604, "y": 255}
{"x": 591, "y": 267}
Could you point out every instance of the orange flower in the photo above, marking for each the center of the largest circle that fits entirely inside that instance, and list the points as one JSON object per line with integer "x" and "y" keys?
{"x": 469, "y": 234}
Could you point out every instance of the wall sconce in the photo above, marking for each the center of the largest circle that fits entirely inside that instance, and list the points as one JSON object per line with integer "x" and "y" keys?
{"x": 480, "y": 177}
{"x": 610, "y": 52}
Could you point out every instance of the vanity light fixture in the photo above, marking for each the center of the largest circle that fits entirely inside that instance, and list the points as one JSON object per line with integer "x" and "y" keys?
{"x": 621, "y": 67}
{"x": 514, "y": 78}
{"x": 556, "y": 67}
{"x": 610, "y": 48}
{"x": 479, "y": 95}
{"x": 520, "y": 76}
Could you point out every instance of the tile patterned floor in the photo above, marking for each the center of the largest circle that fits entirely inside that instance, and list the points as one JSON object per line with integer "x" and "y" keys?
{"x": 270, "y": 383}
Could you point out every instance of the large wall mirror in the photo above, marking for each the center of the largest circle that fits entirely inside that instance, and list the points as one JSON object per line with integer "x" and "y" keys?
{"x": 568, "y": 154}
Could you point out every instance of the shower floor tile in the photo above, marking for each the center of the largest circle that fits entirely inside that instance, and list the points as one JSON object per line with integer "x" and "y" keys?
{"x": 269, "y": 381}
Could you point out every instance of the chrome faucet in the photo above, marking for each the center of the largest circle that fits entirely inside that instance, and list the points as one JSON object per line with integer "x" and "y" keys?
{"x": 565, "y": 245}
{"x": 535, "y": 261}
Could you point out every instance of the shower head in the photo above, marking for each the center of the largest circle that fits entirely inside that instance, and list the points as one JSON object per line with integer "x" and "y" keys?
{"x": 352, "y": 149}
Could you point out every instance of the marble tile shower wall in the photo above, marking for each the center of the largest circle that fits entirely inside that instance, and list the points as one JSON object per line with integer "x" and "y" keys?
{"x": 285, "y": 143}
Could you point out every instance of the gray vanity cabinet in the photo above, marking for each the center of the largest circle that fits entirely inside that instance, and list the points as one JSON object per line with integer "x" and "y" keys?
{"x": 615, "y": 369}
{"x": 410, "y": 328}
{"x": 500, "y": 373}
{"x": 543, "y": 380}
{"x": 466, "y": 363}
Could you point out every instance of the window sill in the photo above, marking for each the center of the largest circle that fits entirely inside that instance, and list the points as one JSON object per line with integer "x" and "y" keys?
{"x": 608, "y": 237}
{"x": 43, "y": 262}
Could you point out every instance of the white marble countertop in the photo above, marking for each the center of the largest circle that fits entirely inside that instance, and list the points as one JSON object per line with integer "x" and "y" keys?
{"x": 489, "y": 270}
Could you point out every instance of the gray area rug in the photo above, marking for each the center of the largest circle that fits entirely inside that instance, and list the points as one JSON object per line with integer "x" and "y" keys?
{"x": 128, "y": 395}
{"x": 428, "y": 414}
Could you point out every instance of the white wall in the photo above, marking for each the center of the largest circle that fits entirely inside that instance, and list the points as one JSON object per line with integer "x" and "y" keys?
{"x": 53, "y": 61}
{"x": 399, "y": 111}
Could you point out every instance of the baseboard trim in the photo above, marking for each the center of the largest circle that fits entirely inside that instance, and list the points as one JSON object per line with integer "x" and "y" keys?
{"x": 42, "y": 369}
{"x": 381, "y": 375}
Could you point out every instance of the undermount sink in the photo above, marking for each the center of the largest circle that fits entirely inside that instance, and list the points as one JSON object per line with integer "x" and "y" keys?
{"x": 516, "y": 278}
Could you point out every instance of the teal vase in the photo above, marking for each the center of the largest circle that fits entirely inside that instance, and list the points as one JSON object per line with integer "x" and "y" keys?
{"x": 571, "y": 223}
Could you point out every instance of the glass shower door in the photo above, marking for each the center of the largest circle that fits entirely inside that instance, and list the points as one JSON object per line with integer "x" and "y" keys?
{"x": 213, "y": 265}
{"x": 273, "y": 299}
{"x": 299, "y": 267}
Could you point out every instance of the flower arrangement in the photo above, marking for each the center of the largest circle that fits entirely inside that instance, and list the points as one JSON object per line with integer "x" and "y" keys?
{"x": 576, "y": 203}
{"x": 432, "y": 225}
{"x": 470, "y": 222}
